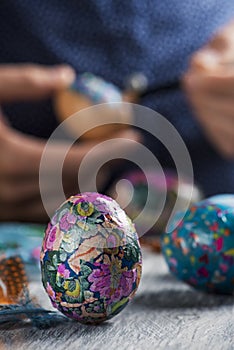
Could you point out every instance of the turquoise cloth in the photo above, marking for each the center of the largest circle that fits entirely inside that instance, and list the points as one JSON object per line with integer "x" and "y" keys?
{"x": 21, "y": 239}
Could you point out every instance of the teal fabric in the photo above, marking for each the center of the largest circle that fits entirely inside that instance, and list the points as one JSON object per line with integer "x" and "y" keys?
{"x": 21, "y": 239}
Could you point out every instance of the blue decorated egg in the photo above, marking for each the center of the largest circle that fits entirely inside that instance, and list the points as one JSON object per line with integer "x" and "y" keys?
{"x": 90, "y": 258}
{"x": 200, "y": 250}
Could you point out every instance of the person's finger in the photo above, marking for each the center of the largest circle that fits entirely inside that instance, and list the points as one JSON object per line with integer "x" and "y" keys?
{"x": 12, "y": 192}
{"x": 218, "y": 51}
{"x": 218, "y": 127}
{"x": 20, "y": 155}
{"x": 4, "y": 124}
{"x": 219, "y": 136}
{"x": 32, "y": 211}
{"x": 212, "y": 60}
{"x": 222, "y": 106}
{"x": 219, "y": 83}
{"x": 222, "y": 141}
{"x": 205, "y": 59}
{"x": 28, "y": 81}
{"x": 213, "y": 114}
{"x": 212, "y": 120}
{"x": 222, "y": 40}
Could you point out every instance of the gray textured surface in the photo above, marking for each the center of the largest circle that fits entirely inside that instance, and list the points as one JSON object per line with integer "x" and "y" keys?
{"x": 165, "y": 314}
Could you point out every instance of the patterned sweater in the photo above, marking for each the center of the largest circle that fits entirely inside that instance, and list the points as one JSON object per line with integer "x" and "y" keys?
{"x": 114, "y": 38}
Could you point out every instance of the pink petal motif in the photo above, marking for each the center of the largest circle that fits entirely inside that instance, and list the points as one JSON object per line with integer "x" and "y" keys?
{"x": 219, "y": 244}
{"x": 50, "y": 291}
{"x": 51, "y": 237}
{"x": 101, "y": 280}
{"x": 46, "y": 235}
{"x": 203, "y": 272}
{"x": 67, "y": 221}
{"x": 112, "y": 241}
{"x": 223, "y": 268}
{"x": 204, "y": 258}
{"x": 126, "y": 282}
{"x": 214, "y": 227}
{"x": 63, "y": 271}
{"x": 36, "y": 253}
{"x": 173, "y": 261}
{"x": 71, "y": 218}
{"x": 112, "y": 286}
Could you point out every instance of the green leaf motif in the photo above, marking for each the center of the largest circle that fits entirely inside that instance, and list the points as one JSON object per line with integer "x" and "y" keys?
{"x": 50, "y": 268}
{"x": 119, "y": 304}
{"x": 72, "y": 285}
{"x": 131, "y": 250}
{"x": 63, "y": 256}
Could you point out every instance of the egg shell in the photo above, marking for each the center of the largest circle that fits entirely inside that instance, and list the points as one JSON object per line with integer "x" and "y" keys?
{"x": 91, "y": 258}
{"x": 200, "y": 251}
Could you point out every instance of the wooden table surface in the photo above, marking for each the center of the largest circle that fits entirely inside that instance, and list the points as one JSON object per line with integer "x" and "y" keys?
{"x": 165, "y": 314}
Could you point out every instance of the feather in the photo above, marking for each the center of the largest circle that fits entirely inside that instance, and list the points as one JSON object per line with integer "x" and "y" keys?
{"x": 16, "y": 307}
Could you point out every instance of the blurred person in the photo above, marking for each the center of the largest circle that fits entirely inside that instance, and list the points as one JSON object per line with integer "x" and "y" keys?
{"x": 209, "y": 83}
{"x": 166, "y": 41}
{"x": 20, "y": 154}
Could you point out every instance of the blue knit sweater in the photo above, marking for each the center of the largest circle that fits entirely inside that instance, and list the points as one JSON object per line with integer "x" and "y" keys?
{"x": 113, "y": 38}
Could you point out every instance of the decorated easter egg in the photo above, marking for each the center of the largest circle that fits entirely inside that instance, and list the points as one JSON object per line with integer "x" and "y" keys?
{"x": 90, "y": 258}
{"x": 159, "y": 185}
{"x": 200, "y": 250}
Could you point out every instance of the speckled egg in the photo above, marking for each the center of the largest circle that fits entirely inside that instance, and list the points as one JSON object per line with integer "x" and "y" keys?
{"x": 200, "y": 251}
{"x": 90, "y": 258}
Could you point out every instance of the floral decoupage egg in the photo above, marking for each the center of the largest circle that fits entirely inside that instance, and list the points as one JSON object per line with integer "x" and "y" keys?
{"x": 200, "y": 250}
{"x": 90, "y": 258}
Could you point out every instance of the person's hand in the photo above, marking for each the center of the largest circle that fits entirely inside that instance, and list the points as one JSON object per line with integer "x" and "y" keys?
{"x": 20, "y": 155}
{"x": 209, "y": 85}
